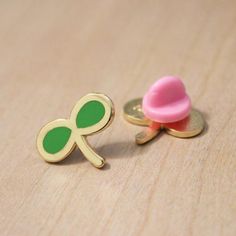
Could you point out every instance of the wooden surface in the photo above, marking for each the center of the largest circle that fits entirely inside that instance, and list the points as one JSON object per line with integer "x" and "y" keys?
{"x": 53, "y": 52}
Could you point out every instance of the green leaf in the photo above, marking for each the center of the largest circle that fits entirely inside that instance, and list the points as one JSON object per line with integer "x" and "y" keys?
{"x": 90, "y": 114}
{"x": 56, "y": 139}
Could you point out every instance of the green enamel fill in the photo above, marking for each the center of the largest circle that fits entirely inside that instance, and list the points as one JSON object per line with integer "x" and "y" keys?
{"x": 56, "y": 139}
{"x": 90, "y": 114}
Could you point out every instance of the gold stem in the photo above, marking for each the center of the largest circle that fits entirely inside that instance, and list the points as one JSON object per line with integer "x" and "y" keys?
{"x": 146, "y": 135}
{"x": 88, "y": 152}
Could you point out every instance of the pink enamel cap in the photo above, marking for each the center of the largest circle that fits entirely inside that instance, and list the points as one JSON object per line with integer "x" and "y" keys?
{"x": 166, "y": 101}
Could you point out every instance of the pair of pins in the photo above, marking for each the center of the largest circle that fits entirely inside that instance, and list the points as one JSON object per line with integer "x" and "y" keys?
{"x": 166, "y": 106}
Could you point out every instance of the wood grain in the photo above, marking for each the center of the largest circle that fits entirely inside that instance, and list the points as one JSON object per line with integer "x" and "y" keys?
{"x": 53, "y": 52}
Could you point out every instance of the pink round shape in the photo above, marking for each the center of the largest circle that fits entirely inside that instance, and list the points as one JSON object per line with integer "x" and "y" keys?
{"x": 166, "y": 101}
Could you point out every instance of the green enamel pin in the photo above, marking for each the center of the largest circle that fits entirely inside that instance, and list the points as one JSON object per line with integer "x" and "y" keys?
{"x": 92, "y": 113}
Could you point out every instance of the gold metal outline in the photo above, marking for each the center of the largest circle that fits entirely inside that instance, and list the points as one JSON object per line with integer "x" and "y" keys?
{"x": 106, "y": 120}
{"x": 69, "y": 147}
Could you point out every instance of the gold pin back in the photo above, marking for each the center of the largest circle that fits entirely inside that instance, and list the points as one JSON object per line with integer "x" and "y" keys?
{"x": 133, "y": 113}
{"x": 191, "y": 126}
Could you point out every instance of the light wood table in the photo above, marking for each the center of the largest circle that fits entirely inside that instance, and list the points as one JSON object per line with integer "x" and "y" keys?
{"x": 53, "y": 52}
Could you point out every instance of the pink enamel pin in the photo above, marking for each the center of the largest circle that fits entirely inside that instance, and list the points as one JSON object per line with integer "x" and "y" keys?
{"x": 166, "y": 106}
